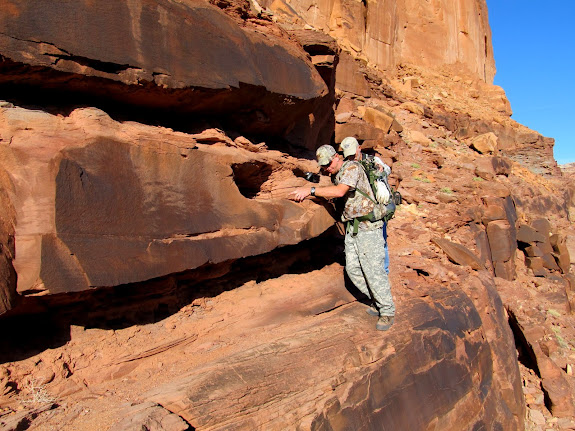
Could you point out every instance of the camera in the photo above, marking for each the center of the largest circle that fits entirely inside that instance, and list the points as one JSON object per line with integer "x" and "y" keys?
{"x": 311, "y": 177}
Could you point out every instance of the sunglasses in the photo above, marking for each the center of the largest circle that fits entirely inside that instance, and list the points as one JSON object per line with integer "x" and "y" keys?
{"x": 323, "y": 168}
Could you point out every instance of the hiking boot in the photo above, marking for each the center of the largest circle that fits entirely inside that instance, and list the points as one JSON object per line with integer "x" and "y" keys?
{"x": 384, "y": 323}
{"x": 372, "y": 311}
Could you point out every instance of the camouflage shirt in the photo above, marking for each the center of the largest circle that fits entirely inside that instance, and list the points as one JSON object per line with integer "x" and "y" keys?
{"x": 356, "y": 204}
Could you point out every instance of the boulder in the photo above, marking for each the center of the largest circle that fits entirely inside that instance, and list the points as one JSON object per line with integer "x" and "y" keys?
{"x": 500, "y": 208}
{"x": 527, "y": 234}
{"x": 412, "y": 107}
{"x": 346, "y": 105}
{"x": 555, "y": 239}
{"x": 416, "y": 137}
{"x": 482, "y": 244}
{"x": 359, "y": 130}
{"x": 533, "y": 251}
{"x": 103, "y": 203}
{"x": 505, "y": 270}
{"x": 343, "y": 117}
{"x": 502, "y": 243}
{"x": 544, "y": 246}
{"x": 536, "y": 264}
{"x": 411, "y": 82}
{"x": 561, "y": 252}
{"x": 379, "y": 119}
{"x": 542, "y": 226}
{"x": 484, "y": 169}
{"x": 549, "y": 262}
{"x": 495, "y": 189}
{"x": 458, "y": 253}
{"x": 501, "y": 240}
{"x": 485, "y": 144}
{"x": 396, "y": 126}
{"x": 511, "y": 211}
{"x": 492, "y": 213}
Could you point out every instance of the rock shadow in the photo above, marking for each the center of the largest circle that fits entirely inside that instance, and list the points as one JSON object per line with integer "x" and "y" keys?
{"x": 43, "y": 322}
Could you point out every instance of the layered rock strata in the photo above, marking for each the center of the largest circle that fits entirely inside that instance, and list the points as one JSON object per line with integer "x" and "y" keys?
{"x": 7, "y": 248}
{"x": 175, "y": 61}
{"x": 100, "y": 203}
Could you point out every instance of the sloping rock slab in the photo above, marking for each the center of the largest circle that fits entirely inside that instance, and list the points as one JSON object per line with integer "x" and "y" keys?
{"x": 149, "y": 416}
{"x": 23, "y": 419}
{"x": 450, "y": 359}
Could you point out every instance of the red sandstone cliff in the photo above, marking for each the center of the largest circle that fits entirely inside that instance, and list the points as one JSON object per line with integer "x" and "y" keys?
{"x": 388, "y": 33}
{"x": 153, "y": 273}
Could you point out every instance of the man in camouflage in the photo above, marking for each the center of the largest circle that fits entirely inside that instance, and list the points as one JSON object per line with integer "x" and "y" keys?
{"x": 351, "y": 149}
{"x": 364, "y": 250}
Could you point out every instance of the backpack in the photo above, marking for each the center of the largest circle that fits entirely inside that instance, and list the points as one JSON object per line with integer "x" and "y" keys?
{"x": 380, "y": 181}
{"x": 377, "y": 179}
{"x": 386, "y": 199}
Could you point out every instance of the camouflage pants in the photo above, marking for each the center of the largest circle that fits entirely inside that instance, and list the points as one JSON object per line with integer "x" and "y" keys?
{"x": 364, "y": 263}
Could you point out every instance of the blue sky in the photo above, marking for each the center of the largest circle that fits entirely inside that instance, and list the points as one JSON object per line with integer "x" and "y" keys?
{"x": 534, "y": 47}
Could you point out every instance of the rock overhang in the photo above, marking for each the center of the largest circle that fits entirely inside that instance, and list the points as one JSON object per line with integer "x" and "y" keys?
{"x": 177, "y": 59}
{"x": 101, "y": 203}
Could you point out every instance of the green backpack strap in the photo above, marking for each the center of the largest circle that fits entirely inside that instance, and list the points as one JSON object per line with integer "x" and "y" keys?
{"x": 366, "y": 195}
{"x": 367, "y": 217}
{"x": 357, "y": 220}
{"x": 355, "y": 226}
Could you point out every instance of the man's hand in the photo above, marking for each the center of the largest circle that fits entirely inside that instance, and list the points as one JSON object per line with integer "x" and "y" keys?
{"x": 300, "y": 194}
{"x": 382, "y": 167}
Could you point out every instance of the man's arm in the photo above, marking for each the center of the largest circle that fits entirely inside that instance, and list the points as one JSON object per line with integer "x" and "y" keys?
{"x": 327, "y": 192}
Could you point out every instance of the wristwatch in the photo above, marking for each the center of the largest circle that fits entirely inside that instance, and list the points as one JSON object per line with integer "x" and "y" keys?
{"x": 312, "y": 191}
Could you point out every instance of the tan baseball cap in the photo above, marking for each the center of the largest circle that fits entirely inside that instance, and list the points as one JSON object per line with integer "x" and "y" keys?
{"x": 349, "y": 146}
{"x": 325, "y": 154}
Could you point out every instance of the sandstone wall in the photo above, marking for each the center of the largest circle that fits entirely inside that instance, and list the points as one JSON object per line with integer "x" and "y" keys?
{"x": 386, "y": 33}
{"x": 101, "y": 203}
{"x": 98, "y": 203}
{"x": 7, "y": 249}
{"x": 177, "y": 63}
